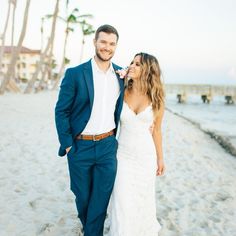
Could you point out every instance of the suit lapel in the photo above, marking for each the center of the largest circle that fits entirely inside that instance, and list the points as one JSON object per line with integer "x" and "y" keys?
{"x": 88, "y": 75}
{"x": 121, "y": 81}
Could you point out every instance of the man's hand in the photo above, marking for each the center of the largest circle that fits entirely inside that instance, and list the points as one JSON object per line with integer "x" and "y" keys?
{"x": 68, "y": 149}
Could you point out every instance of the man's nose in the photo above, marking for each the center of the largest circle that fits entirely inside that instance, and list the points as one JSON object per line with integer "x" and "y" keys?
{"x": 107, "y": 47}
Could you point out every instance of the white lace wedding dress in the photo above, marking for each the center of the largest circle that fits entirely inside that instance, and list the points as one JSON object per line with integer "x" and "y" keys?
{"x": 132, "y": 209}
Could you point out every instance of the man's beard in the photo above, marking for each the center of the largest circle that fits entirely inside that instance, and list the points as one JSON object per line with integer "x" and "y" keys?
{"x": 102, "y": 59}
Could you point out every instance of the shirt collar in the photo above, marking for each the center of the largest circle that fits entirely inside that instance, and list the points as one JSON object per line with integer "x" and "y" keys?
{"x": 95, "y": 66}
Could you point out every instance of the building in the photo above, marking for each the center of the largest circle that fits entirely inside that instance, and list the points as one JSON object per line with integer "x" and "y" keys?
{"x": 26, "y": 63}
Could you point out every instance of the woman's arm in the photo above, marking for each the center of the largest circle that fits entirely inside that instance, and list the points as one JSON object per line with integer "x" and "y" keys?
{"x": 157, "y": 138}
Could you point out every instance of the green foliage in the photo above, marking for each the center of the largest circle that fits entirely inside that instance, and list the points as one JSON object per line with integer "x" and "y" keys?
{"x": 66, "y": 61}
{"x": 87, "y": 28}
{"x": 72, "y": 19}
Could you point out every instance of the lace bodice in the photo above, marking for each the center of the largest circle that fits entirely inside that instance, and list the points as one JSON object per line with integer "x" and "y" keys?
{"x": 135, "y": 130}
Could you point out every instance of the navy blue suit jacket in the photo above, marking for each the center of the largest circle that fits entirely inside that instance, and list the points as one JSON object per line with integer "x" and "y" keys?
{"x": 75, "y": 101}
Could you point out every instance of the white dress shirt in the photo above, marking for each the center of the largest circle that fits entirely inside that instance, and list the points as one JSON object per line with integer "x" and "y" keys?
{"x": 106, "y": 92}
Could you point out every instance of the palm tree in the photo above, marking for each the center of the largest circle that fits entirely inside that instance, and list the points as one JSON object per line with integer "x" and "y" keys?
{"x": 45, "y": 71}
{"x": 43, "y": 55}
{"x": 87, "y": 29}
{"x": 13, "y": 21}
{"x": 13, "y": 30}
{"x": 69, "y": 20}
{"x": 3, "y": 36}
{"x": 17, "y": 49}
{"x": 50, "y": 65}
{"x": 42, "y": 31}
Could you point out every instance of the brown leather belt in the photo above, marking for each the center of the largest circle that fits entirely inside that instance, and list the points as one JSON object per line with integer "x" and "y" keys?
{"x": 95, "y": 137}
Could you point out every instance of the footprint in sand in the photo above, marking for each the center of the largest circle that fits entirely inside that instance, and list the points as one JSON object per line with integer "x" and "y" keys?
{"x": 46, "y": 229}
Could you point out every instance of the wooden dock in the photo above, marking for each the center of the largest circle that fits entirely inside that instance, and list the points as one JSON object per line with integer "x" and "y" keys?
{"x": 206, "y": 92}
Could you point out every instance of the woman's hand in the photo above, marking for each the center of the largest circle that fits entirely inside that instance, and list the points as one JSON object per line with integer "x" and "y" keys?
{"x": 160, "y": 167}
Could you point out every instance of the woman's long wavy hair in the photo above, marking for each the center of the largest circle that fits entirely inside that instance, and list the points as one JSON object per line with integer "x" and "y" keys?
{"x": 150, "y": 80}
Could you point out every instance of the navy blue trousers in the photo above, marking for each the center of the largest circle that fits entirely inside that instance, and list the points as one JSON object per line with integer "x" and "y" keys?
{"x": 92, "y": 168}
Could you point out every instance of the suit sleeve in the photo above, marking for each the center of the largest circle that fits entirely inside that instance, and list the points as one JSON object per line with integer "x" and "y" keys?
{"x": 63, "y": 111}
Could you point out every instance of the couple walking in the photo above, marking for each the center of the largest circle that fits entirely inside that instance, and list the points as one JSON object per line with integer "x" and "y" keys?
{"x": 93, "y": 100}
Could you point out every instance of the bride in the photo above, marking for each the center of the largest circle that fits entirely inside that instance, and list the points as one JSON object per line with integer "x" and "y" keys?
{"x": 140, "y": 158}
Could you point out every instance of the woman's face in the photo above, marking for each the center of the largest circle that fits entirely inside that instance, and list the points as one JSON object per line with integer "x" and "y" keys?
{"x": 134, "y": 71}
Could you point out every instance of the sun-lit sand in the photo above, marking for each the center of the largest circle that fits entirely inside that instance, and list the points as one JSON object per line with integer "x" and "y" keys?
{"x": 196, "y": 197}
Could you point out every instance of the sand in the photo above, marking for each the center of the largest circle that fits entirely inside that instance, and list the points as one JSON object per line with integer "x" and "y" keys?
{"x": 195, "y": 197}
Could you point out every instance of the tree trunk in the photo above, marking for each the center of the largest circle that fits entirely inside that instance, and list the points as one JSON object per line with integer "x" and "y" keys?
{"x": 42, "y": 81}
{"x": 13, "y": 22}
{"x": 82, "y": 50}
{"x": 13, "y": 32}
{"x": 16, "y": 51}
{"x": 4, "y": 35}
{"x": 30, "y": 85}
{"x": 63, "y": 60}
{"x": 42, "y": 31}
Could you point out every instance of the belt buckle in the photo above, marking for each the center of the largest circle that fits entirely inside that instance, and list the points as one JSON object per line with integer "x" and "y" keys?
{"x": 94, "y": 138}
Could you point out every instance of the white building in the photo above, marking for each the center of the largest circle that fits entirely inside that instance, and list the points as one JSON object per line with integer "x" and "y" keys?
{"x": 26, "y": 63}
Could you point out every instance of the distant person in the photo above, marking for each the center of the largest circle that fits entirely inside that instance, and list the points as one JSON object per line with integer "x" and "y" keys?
{"x": 87, "y": 114}
{"x": 139, "y": 155}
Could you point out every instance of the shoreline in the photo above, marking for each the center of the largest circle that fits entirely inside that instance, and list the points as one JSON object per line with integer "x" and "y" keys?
{"x": 223, "y": 141}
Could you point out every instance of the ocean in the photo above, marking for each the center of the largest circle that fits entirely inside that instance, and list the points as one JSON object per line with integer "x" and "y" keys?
{"x": 217, "y": 118}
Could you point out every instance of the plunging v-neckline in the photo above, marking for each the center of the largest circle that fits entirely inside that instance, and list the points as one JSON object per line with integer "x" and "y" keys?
{"x": 136, "y": 114}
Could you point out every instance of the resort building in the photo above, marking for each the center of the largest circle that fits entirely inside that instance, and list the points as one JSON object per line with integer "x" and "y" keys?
{"x": 26, "y": 63}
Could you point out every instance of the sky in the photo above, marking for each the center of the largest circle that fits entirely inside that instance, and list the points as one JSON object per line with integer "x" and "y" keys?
{"x": 194, "y": 40}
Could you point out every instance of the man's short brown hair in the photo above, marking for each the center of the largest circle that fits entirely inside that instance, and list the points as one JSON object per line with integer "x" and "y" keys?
{"x": 107, "y": 29}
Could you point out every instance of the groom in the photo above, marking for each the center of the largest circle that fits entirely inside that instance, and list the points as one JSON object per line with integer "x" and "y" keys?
{"x": 87, "y": 114}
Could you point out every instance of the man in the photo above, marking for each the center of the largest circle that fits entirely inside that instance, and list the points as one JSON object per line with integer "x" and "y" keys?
{"x": 87, "y": 114}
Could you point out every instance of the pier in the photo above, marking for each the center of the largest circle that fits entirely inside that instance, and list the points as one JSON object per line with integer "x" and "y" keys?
{"x": 206, "y": 92}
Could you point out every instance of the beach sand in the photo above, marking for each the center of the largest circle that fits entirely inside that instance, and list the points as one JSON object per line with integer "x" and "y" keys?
{"x": 195, "y": 197}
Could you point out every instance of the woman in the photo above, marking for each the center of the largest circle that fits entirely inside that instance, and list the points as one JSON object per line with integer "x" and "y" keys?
{"x": 140, "y": 158}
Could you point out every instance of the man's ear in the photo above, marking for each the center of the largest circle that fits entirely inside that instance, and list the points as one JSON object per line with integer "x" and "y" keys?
{"x": 94, "y": 42}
